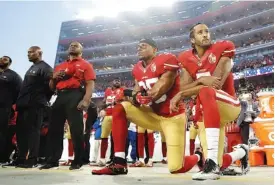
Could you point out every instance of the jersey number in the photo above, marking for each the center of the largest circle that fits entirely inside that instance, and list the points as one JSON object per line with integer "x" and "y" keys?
{"x": 148, "y": 84}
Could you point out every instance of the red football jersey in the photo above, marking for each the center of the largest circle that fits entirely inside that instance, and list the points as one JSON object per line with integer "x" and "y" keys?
{"x": 148, "y": 76}
{"x": 111, "y": 96}
{"x": 206, "y": 65}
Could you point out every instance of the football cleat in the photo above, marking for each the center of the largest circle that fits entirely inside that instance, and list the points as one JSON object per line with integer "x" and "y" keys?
{"x": 112, "y": 169}
{"x": 244, "y": 161}
{"x": 210, "y": 171}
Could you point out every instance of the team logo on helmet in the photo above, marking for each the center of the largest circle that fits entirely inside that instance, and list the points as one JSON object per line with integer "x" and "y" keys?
{"x": 212, "y": 58}
{"x": 153, "y": 67}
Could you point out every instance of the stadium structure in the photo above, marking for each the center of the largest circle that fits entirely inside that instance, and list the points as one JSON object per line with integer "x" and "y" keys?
{"x": 110, "y": 43}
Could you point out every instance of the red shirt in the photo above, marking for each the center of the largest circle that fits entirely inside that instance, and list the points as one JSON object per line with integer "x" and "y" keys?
{"x": 111, "y": 96}
{"x": 79, "y": 69}
{"x": 147, "y": 77}
{"x": 209, "y": 61}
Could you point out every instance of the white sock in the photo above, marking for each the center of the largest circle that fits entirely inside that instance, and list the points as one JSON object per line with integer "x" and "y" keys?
{"x": 212, "y": 136}
{"x": 199, "y": 157}
{"x": 165, "y": 158}
{"x": 120, "y": 154}
{"x": 237, "y": 154}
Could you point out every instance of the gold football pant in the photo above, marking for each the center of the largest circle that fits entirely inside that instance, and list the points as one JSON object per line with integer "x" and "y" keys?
{"x": 162, "y": 137}
{"x": 173, "y": 129}
{"x": 142, "y": 130}
{"x": 194, "y": 132}
{"x": 106, "y": 127}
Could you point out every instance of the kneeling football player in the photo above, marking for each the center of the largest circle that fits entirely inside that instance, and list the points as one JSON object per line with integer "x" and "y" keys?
{"x": 157, "y": 80}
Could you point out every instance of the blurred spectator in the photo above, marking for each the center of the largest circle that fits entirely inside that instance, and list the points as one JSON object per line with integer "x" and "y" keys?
{"x": 97, "y": 135}
{"x": 249, "y": 111}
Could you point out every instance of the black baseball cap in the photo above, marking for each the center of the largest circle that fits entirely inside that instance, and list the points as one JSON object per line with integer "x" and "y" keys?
{"x": 8, "y": 58}
{"x": 151, "y": 42}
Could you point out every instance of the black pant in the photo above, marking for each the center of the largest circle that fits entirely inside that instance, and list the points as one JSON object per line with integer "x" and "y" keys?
{"x": 146, "y": 147}
{"x": 244, "y": 127}
{"x": 28, "y": 125}
{"x": 65, "y": 108}
{"x": 43, "y": 148}
{"x": 92, "y": 116}
{"x": 5, "y": 112}
{"x": 112, "y": 152}
{"x": 9, "y": 147}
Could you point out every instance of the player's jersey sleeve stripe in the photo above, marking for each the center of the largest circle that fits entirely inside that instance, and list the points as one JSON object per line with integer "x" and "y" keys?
{"x": 170, "y": 65}
{"x": 227, "y": 98}
{"x": 229, "y": 51}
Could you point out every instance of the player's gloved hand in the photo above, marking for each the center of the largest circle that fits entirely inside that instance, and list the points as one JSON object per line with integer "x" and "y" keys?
{"x": 142, "y": 99}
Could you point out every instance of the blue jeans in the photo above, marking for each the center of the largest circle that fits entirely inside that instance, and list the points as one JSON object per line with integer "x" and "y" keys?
{"x": 132, "y": 138}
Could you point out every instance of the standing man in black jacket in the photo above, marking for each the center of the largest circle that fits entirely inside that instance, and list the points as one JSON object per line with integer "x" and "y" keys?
{"x": 34, "y": 96}
{"x": 10, "y": 84}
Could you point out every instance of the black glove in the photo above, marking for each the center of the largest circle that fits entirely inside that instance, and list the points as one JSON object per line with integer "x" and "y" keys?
{"x": 128, "y": 92}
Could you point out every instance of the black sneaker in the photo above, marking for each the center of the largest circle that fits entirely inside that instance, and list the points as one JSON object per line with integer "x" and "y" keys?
{"x": 42, "y": 161}
{"x": 19, "y": 162}
{"x": 112, "y": 169}
{"x": 210, "y": 171}
{"x": 75, "y": 167}
{"x": 117, "y": 167}
{"x": 244, "y": 161}
{"x": 49, "y": 166}
{"x": 109, "y": 162}
{"x": 27, "y": 166}
{"x": 12, "y": 164}
{"x": 85, "y": 162}
{"x": 230, "y": 172}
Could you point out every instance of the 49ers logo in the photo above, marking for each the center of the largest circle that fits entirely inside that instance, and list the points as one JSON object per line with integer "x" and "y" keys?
{"x": 148, "y": 84}
{"x": 212, "y": 58}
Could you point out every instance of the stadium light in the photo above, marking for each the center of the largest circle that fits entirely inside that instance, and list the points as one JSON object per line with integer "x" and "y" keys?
{"x": 111, "y": 8}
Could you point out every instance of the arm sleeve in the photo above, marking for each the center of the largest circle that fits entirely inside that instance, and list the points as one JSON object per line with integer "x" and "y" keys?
{"x": 228, "y": 49}
{"x": 89, "y": 73}
{"x": 17, "y": 85}
{"x": 171, "y": 63}
{"x": 47, "y": 73}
